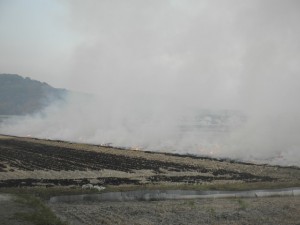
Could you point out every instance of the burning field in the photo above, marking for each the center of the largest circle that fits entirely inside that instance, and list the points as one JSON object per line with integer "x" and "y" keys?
{"x": 31, "y": 165}
{"x": 28, "y": 162}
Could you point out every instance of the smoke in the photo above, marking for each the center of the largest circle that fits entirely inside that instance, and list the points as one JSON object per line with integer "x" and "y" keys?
{"x": 200, "y": 77}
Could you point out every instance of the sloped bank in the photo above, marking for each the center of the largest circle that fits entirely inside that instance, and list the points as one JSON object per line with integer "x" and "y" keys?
{"x": 152, "y": 195}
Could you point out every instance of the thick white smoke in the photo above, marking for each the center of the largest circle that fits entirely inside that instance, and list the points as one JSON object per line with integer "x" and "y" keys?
{"x": 217, "y": 78}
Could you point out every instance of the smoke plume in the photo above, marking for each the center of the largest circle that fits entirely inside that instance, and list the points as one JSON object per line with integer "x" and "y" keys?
{"x": 219, "y": 78}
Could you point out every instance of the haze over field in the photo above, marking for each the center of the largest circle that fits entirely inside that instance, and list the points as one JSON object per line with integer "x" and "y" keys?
{"x": 217, "y": 78}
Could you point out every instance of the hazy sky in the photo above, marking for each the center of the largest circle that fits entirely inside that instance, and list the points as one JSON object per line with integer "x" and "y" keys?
{"x": 219, "y": 46}
{"x": 164, "y": 56}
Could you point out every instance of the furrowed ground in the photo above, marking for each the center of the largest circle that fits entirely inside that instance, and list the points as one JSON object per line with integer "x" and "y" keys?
{"x": 28, "y": 162}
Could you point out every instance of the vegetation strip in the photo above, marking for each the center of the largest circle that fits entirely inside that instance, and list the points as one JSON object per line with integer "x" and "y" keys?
{"x": 38, "y": 213}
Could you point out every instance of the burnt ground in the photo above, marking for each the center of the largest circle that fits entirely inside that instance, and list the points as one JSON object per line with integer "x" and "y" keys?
{"x": 32, "y": 156}
{"x": 43, "y": 168}
{"x": 26, "y": 162}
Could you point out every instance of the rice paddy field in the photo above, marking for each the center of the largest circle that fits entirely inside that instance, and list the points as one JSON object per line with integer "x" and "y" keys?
{"x": 45, "y": 168}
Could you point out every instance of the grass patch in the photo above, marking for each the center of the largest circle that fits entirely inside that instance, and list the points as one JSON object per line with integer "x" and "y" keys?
{"x": 242, "y": 204}
{"x": 38, "y": 213}
{"x": 191, "y": 203}
{"x": 45, "y": 193}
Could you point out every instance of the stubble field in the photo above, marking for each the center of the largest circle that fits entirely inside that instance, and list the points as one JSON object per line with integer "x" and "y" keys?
{"x": 55, "y": 167}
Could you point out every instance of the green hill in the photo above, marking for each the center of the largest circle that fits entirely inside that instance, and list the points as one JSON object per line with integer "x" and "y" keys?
{"x": 20, "y": 96}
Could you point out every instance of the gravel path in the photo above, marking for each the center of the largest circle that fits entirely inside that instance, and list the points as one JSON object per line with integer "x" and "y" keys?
{"x": 271, "y": 210}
